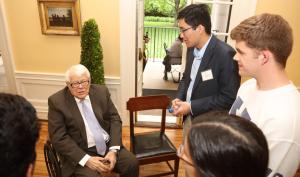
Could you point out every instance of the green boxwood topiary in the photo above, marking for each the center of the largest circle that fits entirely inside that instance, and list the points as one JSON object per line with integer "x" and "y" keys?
{"x": 91, "y": 51}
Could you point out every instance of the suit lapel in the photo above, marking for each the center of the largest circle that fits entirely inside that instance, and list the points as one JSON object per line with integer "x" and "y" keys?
{"x": 72, "y": 105}
{"x": 189, "y": 63}
{"x": 205, "y": 60}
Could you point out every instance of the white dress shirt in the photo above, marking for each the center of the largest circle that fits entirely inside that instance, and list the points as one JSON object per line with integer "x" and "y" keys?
{"x": 90, "y": 136}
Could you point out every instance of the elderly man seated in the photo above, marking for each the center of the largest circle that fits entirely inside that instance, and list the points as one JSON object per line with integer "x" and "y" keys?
{"x": 86, "y": 129}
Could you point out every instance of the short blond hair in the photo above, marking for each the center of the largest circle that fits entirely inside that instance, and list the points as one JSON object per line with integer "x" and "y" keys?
{"x": 266, "y": 32}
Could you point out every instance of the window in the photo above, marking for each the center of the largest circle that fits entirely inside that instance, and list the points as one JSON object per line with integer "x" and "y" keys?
{"x": 225, "y": 14}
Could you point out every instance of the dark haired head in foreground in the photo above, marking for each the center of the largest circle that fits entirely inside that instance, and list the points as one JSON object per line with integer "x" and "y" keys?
{"x": 19, "y": 132}
{"x": 222, "y": 145}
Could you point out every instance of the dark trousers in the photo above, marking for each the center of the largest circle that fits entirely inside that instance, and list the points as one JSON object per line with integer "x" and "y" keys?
{"x": 167, "y": 64}
{"x": 126, "y": 165}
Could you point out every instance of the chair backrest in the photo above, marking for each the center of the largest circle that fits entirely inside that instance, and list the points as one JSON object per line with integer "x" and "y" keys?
{"x": 147, "y": 103}
{"x": 175, "y": 60}
{"x": 52, "y": 160}
{"x": 155, "y": 146}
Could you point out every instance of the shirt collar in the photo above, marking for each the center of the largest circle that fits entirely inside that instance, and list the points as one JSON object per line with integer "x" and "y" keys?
{"x": 198, "y": 53}
{"x": 79, "y": 100}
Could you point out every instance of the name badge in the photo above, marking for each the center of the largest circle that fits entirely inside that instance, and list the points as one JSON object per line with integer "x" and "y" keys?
{"x": 207, "y": 75}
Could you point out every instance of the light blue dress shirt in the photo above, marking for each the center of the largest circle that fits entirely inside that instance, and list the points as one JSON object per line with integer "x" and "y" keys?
{"x": 198, "y": 55}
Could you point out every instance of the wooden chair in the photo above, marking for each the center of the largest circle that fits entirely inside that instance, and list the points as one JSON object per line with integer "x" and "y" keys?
{"x": 152, "y": 147}
{"x": 53, "y": 163}
{"x": 52, "y": 160}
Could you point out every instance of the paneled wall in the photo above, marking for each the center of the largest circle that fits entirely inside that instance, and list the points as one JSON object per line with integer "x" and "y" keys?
{"x": 37, "y": 87}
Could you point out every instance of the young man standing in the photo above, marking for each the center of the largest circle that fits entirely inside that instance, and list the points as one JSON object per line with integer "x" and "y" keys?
{"x": 269, "y": 99}
{"x": 210, "y": 80}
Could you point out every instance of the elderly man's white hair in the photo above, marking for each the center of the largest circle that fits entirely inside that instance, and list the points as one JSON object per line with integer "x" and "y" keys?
{"x": 77, "y": 70}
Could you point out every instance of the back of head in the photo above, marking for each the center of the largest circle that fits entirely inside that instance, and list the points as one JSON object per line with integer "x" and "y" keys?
{"x": 196, "y": 14}
{"x": 19, "y": 132}
{"x": 223, "y": 145}
{"x": 266, "y": 32}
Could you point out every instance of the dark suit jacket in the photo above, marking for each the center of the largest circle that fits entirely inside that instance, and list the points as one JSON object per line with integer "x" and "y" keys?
{"x": 67, "y": 130}
{"x": 219, "y": 92}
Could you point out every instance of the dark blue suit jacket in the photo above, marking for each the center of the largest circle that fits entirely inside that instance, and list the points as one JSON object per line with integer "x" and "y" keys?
{"x": 219, "y": 92}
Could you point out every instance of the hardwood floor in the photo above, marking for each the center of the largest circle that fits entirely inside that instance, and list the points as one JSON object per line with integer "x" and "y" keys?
{"x": 175, "y": 136}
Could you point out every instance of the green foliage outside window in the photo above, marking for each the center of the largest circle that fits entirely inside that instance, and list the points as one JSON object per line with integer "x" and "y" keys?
{"x": 159, "y": 19}
{"x": 163, "y": 8}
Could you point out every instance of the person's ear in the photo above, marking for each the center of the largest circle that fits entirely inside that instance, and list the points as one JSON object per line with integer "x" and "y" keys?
{"x": 260, "y": 56}
{"x": 30, "y": 169}
{"x": 68, "y": 85}
{"x": 264, "y": 57}
{"x": 200, "y": 27}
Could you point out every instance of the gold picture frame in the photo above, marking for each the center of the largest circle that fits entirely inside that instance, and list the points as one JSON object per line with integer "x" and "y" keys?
{"x": 61, "y": 17}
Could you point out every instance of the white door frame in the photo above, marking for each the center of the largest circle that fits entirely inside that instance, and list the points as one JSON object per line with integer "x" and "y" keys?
{"x": 128, "y": 52}
{"x": 139, "y": 47}
{"x": 5, "y": 48}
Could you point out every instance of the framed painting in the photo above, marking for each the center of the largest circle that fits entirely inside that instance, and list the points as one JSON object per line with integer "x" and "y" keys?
{"x": 60, "y": 17}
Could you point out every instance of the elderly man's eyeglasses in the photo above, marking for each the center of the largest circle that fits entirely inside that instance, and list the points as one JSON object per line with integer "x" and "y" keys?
{"x": 180, "y": 153}
{"x": 184, "y": 30}
{"x": 83, "y": 83}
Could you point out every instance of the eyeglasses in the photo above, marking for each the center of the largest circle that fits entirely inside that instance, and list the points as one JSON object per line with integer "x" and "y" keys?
{"x": 184, "y": 30}
{"x": 83, "y": 83}
{"x": 180, "y": 153}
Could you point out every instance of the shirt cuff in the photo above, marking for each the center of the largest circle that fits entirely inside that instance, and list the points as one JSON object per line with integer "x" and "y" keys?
{"x": 83, "y": 161}
{"x": 114, "y": 148}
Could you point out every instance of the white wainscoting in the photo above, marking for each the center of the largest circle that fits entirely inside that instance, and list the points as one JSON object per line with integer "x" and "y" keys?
{"x": 37, "y": 87}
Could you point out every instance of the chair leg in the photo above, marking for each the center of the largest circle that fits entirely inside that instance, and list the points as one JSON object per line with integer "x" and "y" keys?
{"x": 165, "y": 75}
{"x": 178, "y": 80}
{"x": 174, "y": 80}
{"x": 176, "y": 167}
